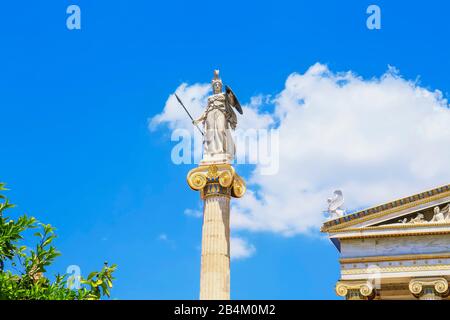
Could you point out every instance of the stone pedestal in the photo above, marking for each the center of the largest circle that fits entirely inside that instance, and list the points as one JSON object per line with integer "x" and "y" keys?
{"x": 217, "y": 184}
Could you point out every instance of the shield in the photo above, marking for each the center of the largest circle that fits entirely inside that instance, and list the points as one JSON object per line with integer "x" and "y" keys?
{"x": 232, "y": 99}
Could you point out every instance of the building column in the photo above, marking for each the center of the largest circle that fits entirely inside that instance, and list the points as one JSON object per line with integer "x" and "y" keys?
{"x": 217, "y": 184}
{"x": 429, "y": 288}
{"x": 355, "y": 289}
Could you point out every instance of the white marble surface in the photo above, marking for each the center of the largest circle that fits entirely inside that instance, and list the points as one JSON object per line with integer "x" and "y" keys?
{"x": 391, "y": 246}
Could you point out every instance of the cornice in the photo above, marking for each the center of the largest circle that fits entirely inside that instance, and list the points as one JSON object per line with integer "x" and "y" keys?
{"x": 399, "y": 226}
{"x": 393, "y": 235}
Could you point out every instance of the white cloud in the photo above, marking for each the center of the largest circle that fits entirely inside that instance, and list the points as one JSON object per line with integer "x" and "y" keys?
{"x": 194, "y": 98}
{"x": 193, "y": 213}
{"x": 375, "y": 139}
{"x": 163, "y": 237}
{"x": 240, "y": 248}
{"x": 253, "y": 118}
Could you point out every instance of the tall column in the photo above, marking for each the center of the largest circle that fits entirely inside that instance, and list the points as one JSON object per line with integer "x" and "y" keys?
{"x": 217, "y": 184}
{"x": 215, "y": 263}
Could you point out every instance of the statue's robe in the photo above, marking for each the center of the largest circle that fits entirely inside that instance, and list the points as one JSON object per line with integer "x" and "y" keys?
{"x": 219, "y": 119}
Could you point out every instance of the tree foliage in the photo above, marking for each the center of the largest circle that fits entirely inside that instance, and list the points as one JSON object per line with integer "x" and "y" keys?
{"x": 22, "y": 268}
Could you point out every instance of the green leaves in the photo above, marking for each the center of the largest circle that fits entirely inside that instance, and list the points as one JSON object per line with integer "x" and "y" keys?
{"x": 100, "y": 283}
{"x": 27, "y": 278}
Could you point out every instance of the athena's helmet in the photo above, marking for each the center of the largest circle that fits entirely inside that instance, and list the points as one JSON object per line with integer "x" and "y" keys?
{"x": 216, "y": 83}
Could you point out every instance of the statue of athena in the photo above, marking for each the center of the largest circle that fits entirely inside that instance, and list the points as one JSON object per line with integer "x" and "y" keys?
{"x": 218, "y": 120}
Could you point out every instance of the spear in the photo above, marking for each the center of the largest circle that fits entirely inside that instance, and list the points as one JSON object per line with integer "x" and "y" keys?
{"x": 179, "y": 100}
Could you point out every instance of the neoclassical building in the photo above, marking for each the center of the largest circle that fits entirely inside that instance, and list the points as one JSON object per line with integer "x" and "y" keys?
{"x": 396, "y": 250}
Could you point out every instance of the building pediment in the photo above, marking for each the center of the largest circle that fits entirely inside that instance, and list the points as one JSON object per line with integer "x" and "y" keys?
{"x": 422, "y": 211}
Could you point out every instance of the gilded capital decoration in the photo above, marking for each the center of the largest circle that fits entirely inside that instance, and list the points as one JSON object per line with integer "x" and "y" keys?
{"x": 437, "y": 286}
{"x": 216, "y": 179}
{"x": 363, "y": 290}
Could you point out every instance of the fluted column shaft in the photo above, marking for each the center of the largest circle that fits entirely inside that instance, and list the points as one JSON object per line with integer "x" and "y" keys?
{"x": 217, "y": 183}
{"x": 215, "y": 261}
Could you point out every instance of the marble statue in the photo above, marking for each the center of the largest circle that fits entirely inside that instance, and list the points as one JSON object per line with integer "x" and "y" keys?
{"x": 335, "y": 205}
{"x": 218, "y": 121}
{"x": 441, "y": 215}
{"x": 420, "y": 218}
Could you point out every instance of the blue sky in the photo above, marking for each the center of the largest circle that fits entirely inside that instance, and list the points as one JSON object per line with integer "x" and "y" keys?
{"x": 75, "y": 105}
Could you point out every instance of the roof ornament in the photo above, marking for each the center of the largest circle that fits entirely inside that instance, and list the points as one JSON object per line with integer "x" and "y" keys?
{"x": 335, "y": 205}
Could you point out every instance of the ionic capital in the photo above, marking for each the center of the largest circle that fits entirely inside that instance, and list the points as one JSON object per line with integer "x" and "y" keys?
{"x": 424, "y": 288}
{"x": 220, "y": 179}
{"x": 355, "y": 290}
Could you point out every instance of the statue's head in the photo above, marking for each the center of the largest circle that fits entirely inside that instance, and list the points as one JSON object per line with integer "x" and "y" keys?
{"x": 216, "y": 83}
